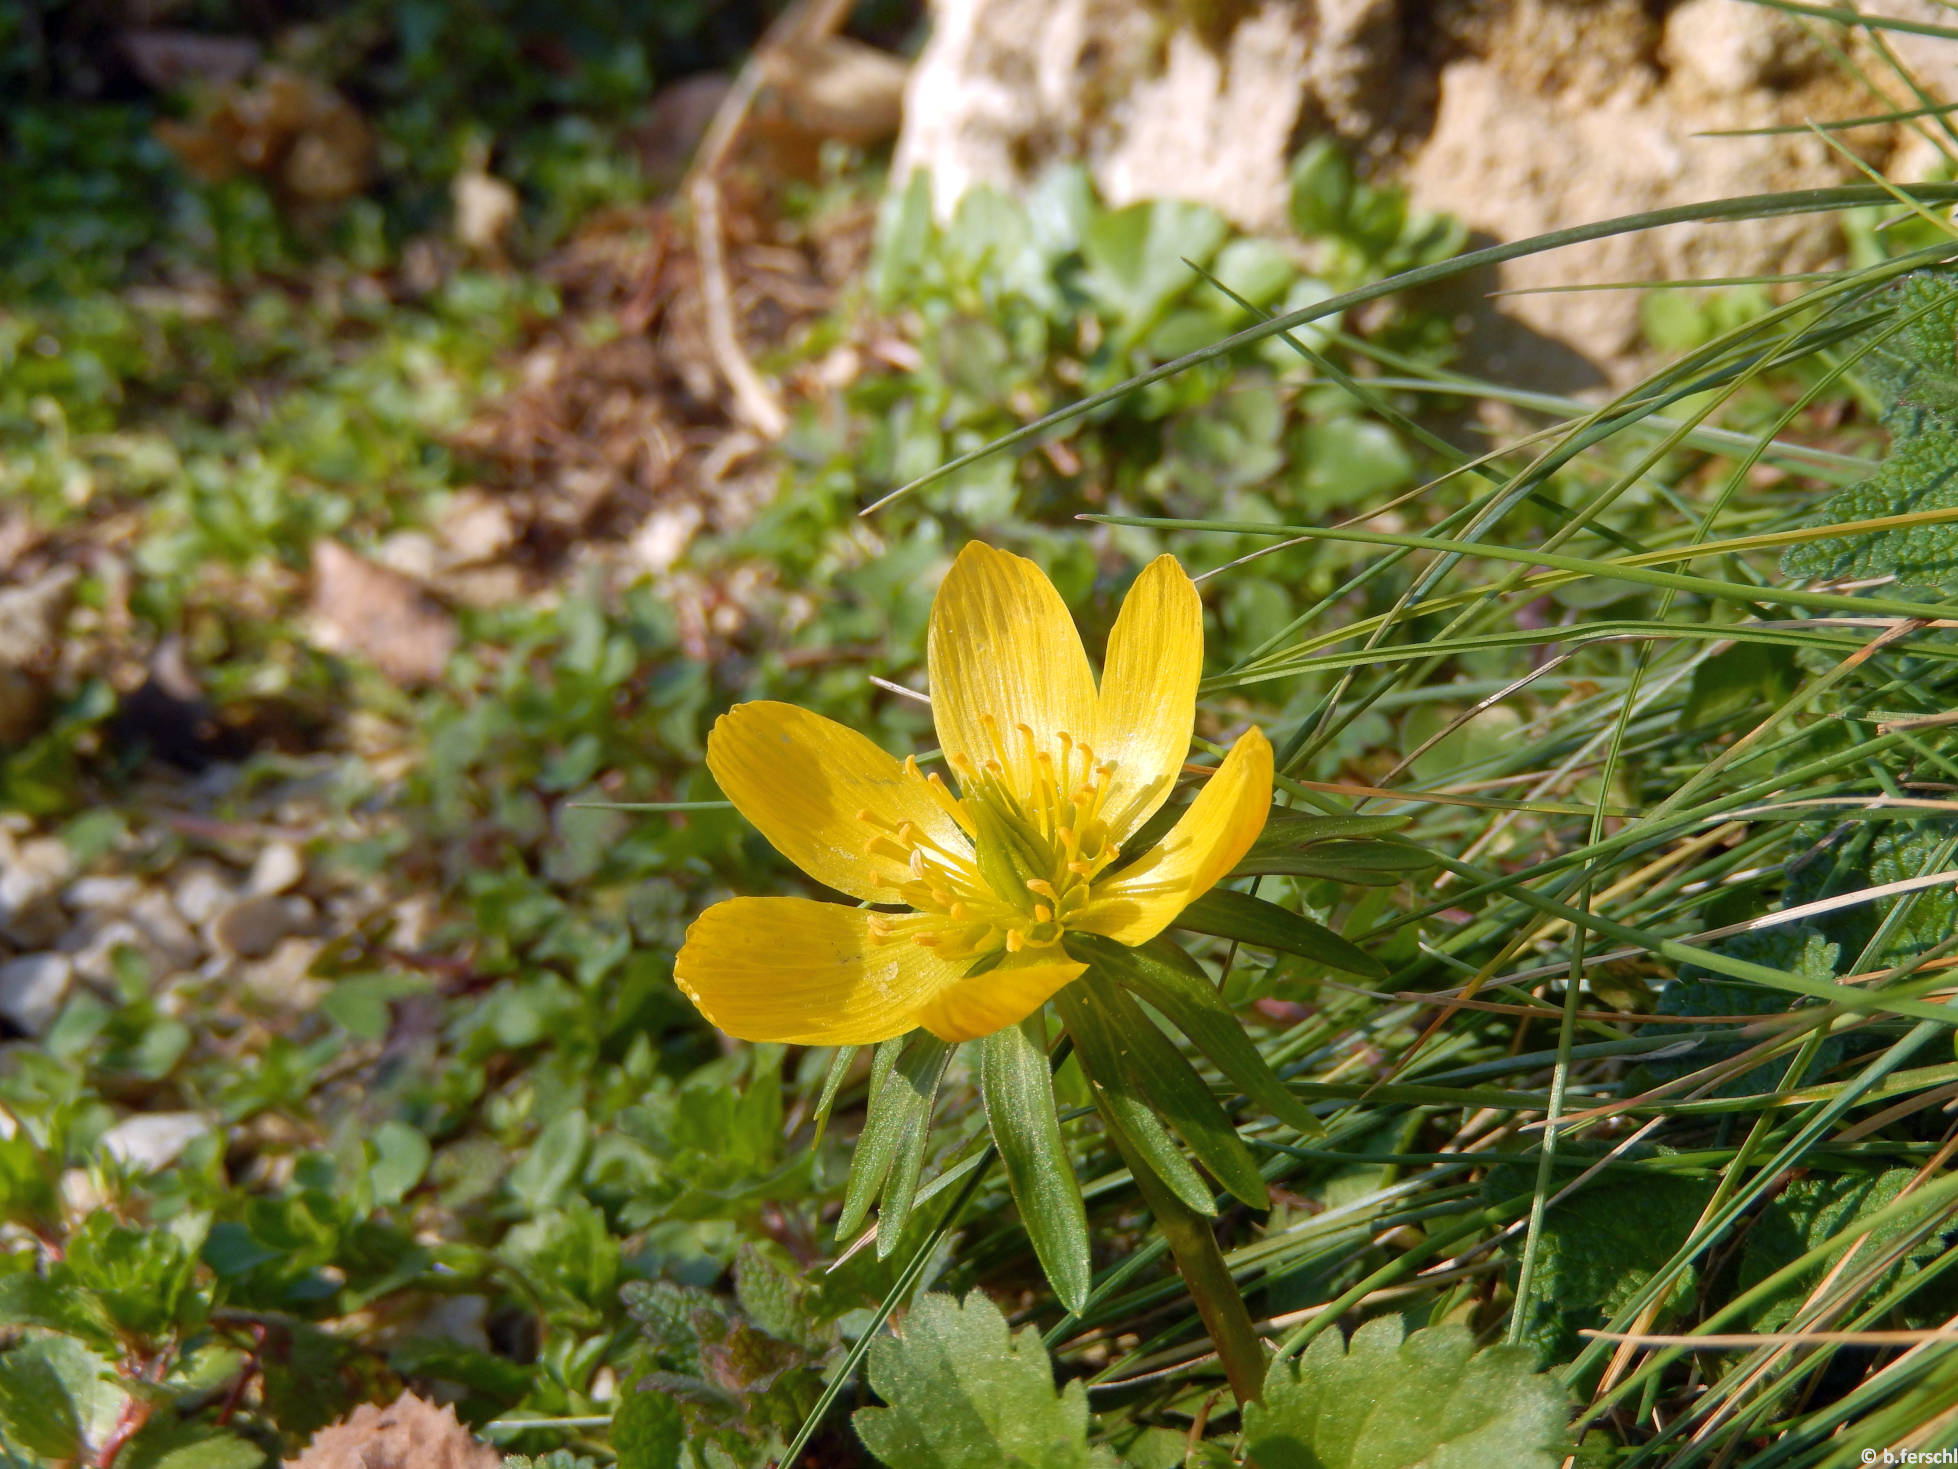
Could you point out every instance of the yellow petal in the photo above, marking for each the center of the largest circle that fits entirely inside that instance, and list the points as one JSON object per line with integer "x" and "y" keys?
{"x": 793, "y": 969}
{"x": 998, "y": 998}
{"x": 1002, "y": 647}
{"x": 1148, "y": 698}
{"x": 805, "y": 782}
{"x": 1142, "y": 899}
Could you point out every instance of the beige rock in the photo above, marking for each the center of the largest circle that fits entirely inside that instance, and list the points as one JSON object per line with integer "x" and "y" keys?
{"x": 284, "y": 978}
{"x": 475, "y": 527}
{"x": 1623, "y": 127}
{"x": 201, "y": 890}
{"x": 835, "y": 87}
{"x": 485, "y": 207}
{"x": 94, "y": 942}
{"x": 115, "y": 891}
{"x": 255, "y": 926}
{"x": 31, "y": 617}
{"x": 152, "y": 911}
{"x": 279, "y": 868}
{"x": 1518, "y": 116}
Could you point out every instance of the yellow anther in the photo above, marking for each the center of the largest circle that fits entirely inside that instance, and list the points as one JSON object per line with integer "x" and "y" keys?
{"x": 1015, "y": 941}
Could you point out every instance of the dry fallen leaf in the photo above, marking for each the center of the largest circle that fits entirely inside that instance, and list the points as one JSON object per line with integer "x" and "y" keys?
{"x": 407, "y": 1434}
{"x": 375, "y": 613}
{"x": 301, "y": 135}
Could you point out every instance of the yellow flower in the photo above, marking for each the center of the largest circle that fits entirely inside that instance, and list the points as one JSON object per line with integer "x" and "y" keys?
{"x": 1053, "y": 777}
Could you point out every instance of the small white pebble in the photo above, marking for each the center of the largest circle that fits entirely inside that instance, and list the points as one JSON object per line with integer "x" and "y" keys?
{"x": 32, "y": 988}
{"x": 153, "y": 1140}
{"x": 278, "y": 869}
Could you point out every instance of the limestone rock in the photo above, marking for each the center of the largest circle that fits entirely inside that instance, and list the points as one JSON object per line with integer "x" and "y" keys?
{"x": 375, "y": 612}
{"x": 284, "y": 978}
{"x": 1518, "y": 116}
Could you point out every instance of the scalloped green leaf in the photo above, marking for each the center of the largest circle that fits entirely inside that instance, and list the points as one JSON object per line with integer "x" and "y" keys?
{"x": 964, "y": 1393}
{"x": 1907, "y": 360}
{"x": 1920, "y": 474}
{"x": 1427, "y": 1401}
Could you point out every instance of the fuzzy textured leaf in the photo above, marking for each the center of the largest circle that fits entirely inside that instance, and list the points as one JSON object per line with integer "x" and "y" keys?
{"x": 1908, "y": 363}
{"x": 1919, "y": 474}
{"x": 1430, "y": 1401}
{"x": 963, "y": 1393}
{"x": 1601, "y": 1246}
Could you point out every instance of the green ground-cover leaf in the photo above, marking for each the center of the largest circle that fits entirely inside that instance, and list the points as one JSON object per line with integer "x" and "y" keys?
{"x": 1920, "y": 474}
{"x": 57, "y": 1398}
{"x": 1824, "y": 1206}
{"x": 1601, "y": 1246}
{"x": 1907, "y": 360}
{"x": 964, "y": 1393}
{"x": 1426, "y": 1401}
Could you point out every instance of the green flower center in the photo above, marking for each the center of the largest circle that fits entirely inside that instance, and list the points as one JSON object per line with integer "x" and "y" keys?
{"x": 1038, "y": 839}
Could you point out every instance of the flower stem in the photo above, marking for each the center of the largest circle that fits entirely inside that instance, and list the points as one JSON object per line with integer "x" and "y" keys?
{"x": 1208, "y": 1279}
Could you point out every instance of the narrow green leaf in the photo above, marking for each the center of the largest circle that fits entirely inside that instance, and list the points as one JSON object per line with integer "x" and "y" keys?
{"x": 1169, "y": 980}
{"x": 1163, "y": 1077}
{"x": 1716, "y": 591}
{"x": 1287, "y": 833}
{"x": 1123, "y": 1110}
{"x": 1252, "y": 920}
{"x": 839, "y": 1067}
{"x": 891, "y": 1151}
{"x": 919, "y": 1072}
{"x": 1342, "y": 861}
{"x": 1019, "y": 1093}
{"x": 870, "y": 1159}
